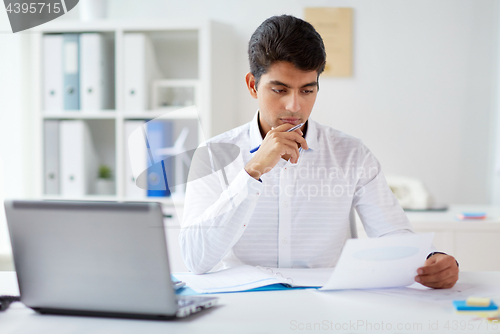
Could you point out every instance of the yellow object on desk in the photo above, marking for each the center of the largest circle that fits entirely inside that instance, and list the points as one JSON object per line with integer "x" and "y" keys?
{"x": 478, "y": 301}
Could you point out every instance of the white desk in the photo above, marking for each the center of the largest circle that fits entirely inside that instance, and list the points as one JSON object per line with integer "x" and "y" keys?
{"x": 277, "y": 312}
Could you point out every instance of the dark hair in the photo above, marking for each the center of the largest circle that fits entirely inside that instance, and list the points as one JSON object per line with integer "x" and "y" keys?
{"x": 285, "y": 38}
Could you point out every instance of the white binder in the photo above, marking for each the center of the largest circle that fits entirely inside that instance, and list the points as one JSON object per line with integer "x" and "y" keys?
{"x": 140, "y": 70}
{"x": 136, "y": 158}
{"x": 95, "y": 81}
{"x": 53, "y": 98}
{"x": 78, "y": 160}
{"x": 51, "y": 157}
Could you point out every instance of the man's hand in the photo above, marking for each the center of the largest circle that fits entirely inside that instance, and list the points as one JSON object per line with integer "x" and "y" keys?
{"x": 276, "y": 145}
{"x": 440, "y": 271}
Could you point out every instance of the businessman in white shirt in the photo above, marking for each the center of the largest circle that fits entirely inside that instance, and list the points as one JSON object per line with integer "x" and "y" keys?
{"x": 287, "y": 202}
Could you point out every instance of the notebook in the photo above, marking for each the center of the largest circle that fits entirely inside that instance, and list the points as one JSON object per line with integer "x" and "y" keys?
{"x": 246, "y": 277}
{"x": 95, "y": 259}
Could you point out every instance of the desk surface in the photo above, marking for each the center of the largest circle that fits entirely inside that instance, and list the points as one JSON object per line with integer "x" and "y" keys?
{"x": 291, "y": 311}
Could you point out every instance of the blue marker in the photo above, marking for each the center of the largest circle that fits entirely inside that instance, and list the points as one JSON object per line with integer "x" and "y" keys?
{"x": 289, "y": 130}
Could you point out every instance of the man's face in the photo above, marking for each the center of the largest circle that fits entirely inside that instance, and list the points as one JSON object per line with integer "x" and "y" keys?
{"x": 285, "y": 93}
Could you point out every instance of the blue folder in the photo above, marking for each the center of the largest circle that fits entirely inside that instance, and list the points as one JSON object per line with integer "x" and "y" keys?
{"x": 187, "y": 291}
{"x": 159, "y": 135}
{"x": 71, "y": 70}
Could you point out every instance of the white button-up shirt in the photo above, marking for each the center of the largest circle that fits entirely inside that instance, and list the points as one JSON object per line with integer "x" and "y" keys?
{"x": 297, "y": 215}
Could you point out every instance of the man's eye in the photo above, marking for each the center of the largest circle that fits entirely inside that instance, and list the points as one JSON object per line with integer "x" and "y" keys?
{"x": 278, "y": 90}
{"x": 307, "y": 91}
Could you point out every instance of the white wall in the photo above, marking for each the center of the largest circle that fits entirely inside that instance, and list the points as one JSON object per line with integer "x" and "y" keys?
{"x": 422, "y": 96}
{"x": 423, "y": 92}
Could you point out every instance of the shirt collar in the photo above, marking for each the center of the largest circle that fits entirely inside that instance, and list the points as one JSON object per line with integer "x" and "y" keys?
{"x": 256, "y": 138}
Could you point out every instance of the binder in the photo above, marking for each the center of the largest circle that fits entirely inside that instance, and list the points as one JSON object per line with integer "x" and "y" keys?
{"x": 53, "y": 99}
{"x": 158, "y": 136}
{"x": 78, "y": 159}
{"x": 51, "y": 157}
{"x": 95, "y": 82}
{"x": 136, "y": 158}
{"x": 71, "y": 70}
{"x": 140, "y": 70}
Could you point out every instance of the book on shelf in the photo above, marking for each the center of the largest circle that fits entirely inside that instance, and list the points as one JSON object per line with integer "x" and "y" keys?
{"x": 159, "y": 135}
{"x": 141, "y": 69}
{"x": 136, "y": 158}
{"x": 96, "y": 64}
{"x": 53, "y": 73}
{"x": 78, "y": 159}
{"x": 71, "y": 70}
{"x": 51, "y": 157}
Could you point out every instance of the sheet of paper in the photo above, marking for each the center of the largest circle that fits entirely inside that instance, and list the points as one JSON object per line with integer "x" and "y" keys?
{"x": 385, "y": 262}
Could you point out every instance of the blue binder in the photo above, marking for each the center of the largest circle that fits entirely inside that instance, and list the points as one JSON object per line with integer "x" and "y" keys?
{"x": 71, "y": 71}
{"x": 159, "y": 135}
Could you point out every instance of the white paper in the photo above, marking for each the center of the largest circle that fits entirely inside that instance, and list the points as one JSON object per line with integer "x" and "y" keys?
{"x": 384, "y": 262}
{"x": 247, "y": 277}
{"x": 306, "y": 277}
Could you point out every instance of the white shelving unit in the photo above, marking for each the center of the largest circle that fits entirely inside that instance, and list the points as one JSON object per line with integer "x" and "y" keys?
{"x": 200, "y": 54}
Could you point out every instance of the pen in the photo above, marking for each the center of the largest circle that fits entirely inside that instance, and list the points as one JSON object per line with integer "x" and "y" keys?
{"x": 289, "y": 130}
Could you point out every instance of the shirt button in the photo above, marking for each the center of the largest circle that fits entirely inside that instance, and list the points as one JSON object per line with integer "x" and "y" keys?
{"x": 284, "y": 240}
{"x": 285, "y": 204}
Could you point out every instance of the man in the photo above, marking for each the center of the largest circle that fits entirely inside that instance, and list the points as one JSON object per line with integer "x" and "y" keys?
{"x": 287, "y": 203}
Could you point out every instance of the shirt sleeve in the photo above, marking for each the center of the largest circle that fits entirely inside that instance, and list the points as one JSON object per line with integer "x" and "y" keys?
{"x": 219, "y": 202}
{"x": 374, "y": 201}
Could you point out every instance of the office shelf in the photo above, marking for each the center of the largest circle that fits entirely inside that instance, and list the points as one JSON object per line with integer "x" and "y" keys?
{"x": 189, "y": 53}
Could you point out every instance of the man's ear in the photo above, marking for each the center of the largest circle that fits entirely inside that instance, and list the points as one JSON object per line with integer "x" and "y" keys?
{"x": 250, "y": 80}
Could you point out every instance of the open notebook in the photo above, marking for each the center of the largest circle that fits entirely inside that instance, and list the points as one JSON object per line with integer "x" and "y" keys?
{"x": 247, "y": 277}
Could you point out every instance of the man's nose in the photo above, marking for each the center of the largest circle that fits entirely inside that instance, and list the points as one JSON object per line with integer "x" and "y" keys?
{"x": 293, "y": 102}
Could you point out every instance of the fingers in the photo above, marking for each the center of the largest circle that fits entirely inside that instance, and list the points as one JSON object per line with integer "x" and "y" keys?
{"x": 295, "y": 136}
{"x": 439, "y": 272}
{"x": 441, "y": 284}
{"x": 288, "y": 147}
{"x": 441, "y": 276}
{"x": 277, "y": 144}
{"x": 436, "y": 264}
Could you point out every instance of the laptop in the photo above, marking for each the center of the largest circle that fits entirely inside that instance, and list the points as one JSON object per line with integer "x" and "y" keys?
{"x": 95, "y": 259}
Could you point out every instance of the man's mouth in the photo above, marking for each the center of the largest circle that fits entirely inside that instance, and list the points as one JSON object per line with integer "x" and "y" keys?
{"x": 290, "y": 120}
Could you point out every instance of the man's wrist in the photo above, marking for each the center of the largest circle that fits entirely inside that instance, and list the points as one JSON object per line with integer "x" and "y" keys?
{"x": 253, "y": 170}
{"x": 434, "y": 253}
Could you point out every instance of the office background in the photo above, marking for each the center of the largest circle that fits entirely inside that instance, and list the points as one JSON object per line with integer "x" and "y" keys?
{"x": 424, "y": 96}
